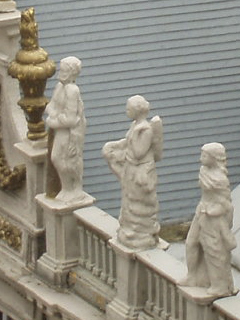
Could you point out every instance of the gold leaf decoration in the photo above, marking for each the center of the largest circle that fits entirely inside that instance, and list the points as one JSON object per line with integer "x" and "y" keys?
{"x": 10, "y": 179}
{"x": 10, "y": 234}
{"x": 32, "y": 68}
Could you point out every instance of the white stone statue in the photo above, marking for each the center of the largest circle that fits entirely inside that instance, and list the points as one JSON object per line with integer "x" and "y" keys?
{"x": 133, "y": 159}
{"x": 210, "y": 240}
{"x": 66, "y": 117}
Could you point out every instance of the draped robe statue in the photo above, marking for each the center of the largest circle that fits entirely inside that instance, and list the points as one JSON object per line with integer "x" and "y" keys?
{"x": 210, "y": 240}
{"x": 66, "y": 118}
{"x": 133, "y": 159}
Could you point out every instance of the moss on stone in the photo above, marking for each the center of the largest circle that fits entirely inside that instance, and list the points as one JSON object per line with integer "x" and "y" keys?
{"x": 174, "y": 232}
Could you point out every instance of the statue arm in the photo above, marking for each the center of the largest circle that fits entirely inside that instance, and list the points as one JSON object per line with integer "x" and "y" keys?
{"x": 69, "y": 117}
{"x": 51, "y": 108}
{"x": 227, "y": 236}
{"x": 110, "y": 148}
{"x": 141, "y": 142}
{"x": 115, "y": 152}
{"x": 215, "y": 209}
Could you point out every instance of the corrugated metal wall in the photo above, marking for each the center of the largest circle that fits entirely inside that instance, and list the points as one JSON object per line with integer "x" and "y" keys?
{"x": 182, "y": 55}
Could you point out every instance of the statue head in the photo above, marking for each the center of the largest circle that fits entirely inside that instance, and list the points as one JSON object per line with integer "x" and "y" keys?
{"x": 137, "y": 106}
{"x": 70, "y": 68}
{"x": 214, "y": 154}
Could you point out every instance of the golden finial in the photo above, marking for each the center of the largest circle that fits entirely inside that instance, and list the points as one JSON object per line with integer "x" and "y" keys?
{"x": 29, "y": 30}
{"x": 32, "y": 68}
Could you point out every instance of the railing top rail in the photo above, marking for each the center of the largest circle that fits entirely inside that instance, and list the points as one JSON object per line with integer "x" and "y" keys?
{"x": 163, "y": 263}
{"x": 229, "y": 307}
{"x": 98, "y": 221}
{"x": 173, "y": 270}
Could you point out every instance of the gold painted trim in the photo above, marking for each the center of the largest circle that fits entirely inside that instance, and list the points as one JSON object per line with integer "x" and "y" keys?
{"x": 10, "y": 179}
{"x": 10, "y": 234}
{"x": 32, "y": 68}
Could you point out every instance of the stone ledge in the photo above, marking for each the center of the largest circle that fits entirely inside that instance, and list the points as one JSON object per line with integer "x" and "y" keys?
{"x": 91, "y": 288}
{"x": 7, "y": 6}
{"x": 59, "y": 207}
{"x": 163, "y": 263}
{"x": 98, "y": 220}
{"x": 68, "y": 304}
{"x": 228, "y": 307}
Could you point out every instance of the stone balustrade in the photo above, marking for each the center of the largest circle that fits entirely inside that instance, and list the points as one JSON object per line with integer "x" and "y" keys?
{"x": 146, "y": 282}
{"x": 163, "y": 272}
{"x": 96, "y": 255}
{"x": 227, "y": 308}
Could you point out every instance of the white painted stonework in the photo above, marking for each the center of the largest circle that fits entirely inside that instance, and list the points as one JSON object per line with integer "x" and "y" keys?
{"x": 236, "y": 226}
{"x": 9, "y": 34}
{"x": 7, "y": 6}
{"x": 71, "y": 262}
{"x": 210, "y": 240}
{"x": 133, "y": 159}
{"x": 66, "y": 116}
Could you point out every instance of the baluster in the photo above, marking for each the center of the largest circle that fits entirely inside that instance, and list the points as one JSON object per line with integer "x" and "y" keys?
{"x": 104, "y": 273}
{"x": 150, "y": 291}
{"x": 91, "y": 251}
{"x": 158, "y": 296}
{"x": 97, "y": 268}
{"x": 166, "y": 299}
{"x": 173, "y": 302}
{"x": 112, "y": 267}
{"x": 83, "y": 246}
{"x": 182, "y": 307}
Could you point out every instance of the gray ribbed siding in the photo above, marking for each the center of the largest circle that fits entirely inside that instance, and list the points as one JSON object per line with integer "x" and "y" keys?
{"x": 183, "y": 56}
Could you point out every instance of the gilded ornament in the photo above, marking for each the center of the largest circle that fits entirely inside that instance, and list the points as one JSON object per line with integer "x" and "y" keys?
{"x": 32, "y": 68}
{"x": 10, "y": 234}
{"x": 10, "y": 179}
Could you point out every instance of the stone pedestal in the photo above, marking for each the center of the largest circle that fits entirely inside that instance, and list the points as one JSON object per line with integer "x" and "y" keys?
{"x": 131, "y": 285}
{"x": 34, "y": 155}
{"x": 7, "y": 6}
{"x": 62, "y": 239}
{"x": 197, "y": 303}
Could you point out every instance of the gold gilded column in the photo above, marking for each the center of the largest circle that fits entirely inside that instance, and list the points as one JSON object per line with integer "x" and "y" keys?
{"x": 32, "y": 68}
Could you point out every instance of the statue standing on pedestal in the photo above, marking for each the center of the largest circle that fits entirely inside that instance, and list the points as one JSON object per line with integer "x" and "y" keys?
{"x": 133, "y": 159}
{"x": 210, "y": 240}
{"x": 66, "y": 118}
